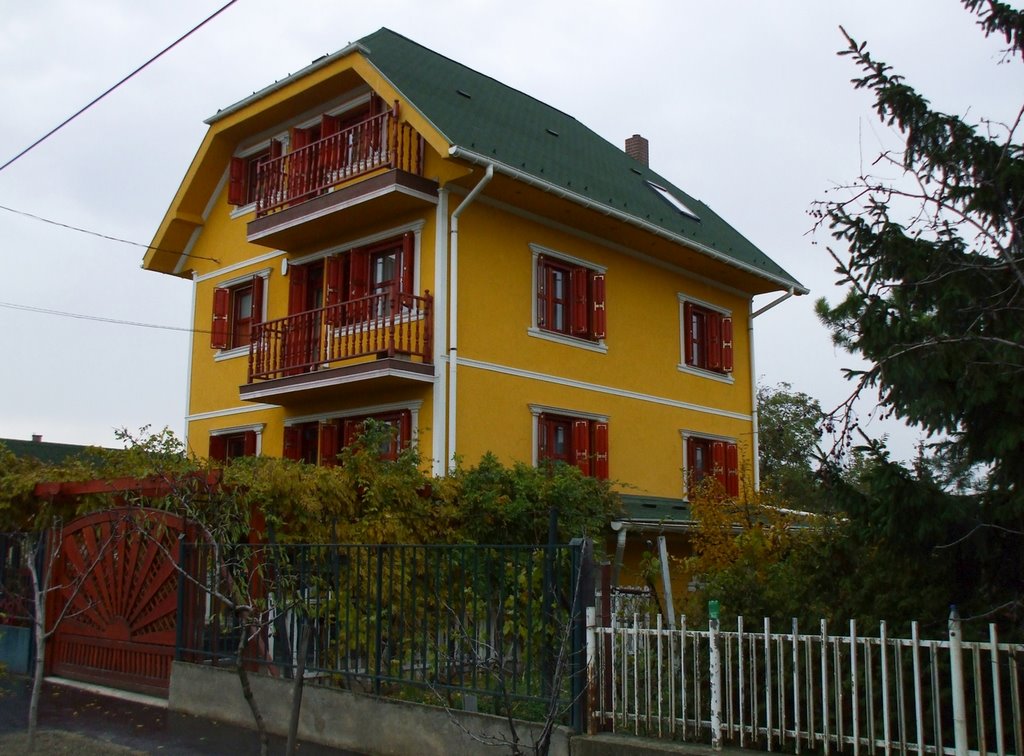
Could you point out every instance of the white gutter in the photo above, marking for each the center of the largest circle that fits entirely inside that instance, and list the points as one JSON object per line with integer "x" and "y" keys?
{"x": 547, "y": 186}
{"x": 453, "y": 309}
{"x": 440, "y": 390}
{"x": 755, "y": 436}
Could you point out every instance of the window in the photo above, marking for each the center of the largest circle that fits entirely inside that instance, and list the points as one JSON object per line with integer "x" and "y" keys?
{"x": 707, "y": 338}
{"x": 243, "y": 174}
{"x": 318, "y": 442}
{"x": 225, "y": 445}
{"x": 236, "y": 309}
{"x": 575, "y": 441}
{"x": 711, "y": 457}
{"x": 570, "y": 298}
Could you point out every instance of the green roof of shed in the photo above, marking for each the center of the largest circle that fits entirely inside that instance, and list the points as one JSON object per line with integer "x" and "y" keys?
{"x": 45, "y": 451}
{"x": 482, "y": 116}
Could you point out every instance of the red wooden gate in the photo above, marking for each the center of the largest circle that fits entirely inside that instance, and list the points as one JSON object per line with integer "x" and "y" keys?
{"x": 114, "y": 571}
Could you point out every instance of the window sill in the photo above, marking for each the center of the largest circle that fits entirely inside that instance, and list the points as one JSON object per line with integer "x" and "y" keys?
{"x": 230, "y": 354}
{"x": 560, "y": 338}
{"x": 239, "y": 210}
{"x": 720, "y": 377}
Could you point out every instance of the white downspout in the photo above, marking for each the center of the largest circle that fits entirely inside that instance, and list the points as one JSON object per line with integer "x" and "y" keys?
{"x": 755, "y": 441}
{"x": 453, "y": 309}
{"x": 440, "y": 391}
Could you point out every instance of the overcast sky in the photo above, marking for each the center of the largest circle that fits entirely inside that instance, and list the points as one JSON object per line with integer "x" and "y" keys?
{"x": 745, "y": 104}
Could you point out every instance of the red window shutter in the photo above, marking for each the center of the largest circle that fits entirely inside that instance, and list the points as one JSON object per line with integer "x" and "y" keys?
{"x": 542, "y": 293}
{"x": 359, "y": 273}
{"x": 408, "y": 257}
{"x": 297, "y": 278}
{"x": 256, "y": 314}
{"x": 334, "y": 273}
{"x": 714, "y": 335}
{"x": 581, "y": 444}
{"x": 727, "y": 345}
{"x": 328, "y": 444}
{"x": 236, "y": 181}
{"x": 601, "y": 451}
{"x": 219, "y": 448}
{"x": 219, "y": 327}
{"x": 578, "y": 285}
{"x": 329, "y": 125}
{"x": 404, "y": 429}
{"x": 276, "y": 149}
{"x": 542, "y": 438}
{"x": 299, "y": 138}
{"x": 690, "y": 468}
{"x": 688, "y": 333}
{"x": 293, "y": 442}
{"x": 718, "y": 462}
{"x": 249, "y": 442}
{"x": 732, "y": 473}
{"x": 599, "y": 321}
{"x": 350, "y": 430}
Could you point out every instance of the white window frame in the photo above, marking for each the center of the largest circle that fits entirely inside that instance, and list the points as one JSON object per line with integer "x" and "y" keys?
{"x": 243, "y": 351}
{"x": 536, "y": 250}
{"x": 686, "y": 434}
{"x": 536, "y": 410}
{"x": 682, "y": 367}
{"x": 256, "y": 428}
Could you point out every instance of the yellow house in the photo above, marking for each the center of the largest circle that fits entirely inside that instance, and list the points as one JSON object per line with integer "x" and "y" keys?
{"x": 390, "y": 234}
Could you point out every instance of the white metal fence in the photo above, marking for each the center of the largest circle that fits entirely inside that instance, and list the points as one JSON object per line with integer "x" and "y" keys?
{"x": 802, "y": 692}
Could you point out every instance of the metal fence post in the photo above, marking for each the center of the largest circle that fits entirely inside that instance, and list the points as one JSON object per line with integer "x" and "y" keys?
{"x": 956, "y": 674}
{"x": 715, "y": 677}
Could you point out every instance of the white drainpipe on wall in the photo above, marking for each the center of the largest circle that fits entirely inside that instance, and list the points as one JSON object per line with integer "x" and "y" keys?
{"x": 755, "y": 443}
{"x": 453, "y": 309}
{"x": 437, "y": 452}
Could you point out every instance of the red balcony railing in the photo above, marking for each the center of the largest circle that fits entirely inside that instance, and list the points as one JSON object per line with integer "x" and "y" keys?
{"x": 387, "y": 324}
{"x": 378, "y": 142}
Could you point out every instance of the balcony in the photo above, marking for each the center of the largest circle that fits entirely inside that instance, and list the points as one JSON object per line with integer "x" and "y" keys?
{"x": 372, "y": 170}
{"x": 386, "y": 337}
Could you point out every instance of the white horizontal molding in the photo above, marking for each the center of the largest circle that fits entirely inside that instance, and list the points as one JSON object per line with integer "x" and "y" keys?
{"x": 586, "y": 386}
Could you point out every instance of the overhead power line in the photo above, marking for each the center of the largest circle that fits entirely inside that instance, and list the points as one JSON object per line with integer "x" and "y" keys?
{"x": 146, "y": 247}
{"x": 72, "y": 117}
{"x": 79, "y": 316}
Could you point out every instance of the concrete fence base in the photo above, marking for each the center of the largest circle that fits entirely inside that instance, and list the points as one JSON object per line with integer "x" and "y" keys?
{"x": 342, "y": 719}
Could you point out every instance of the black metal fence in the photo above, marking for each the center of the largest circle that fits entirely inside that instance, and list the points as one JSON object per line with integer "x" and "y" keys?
{"x": 499, "y": 629}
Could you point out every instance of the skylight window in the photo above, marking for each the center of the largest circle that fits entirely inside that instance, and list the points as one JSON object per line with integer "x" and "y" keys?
{"x": 673, "y": 200}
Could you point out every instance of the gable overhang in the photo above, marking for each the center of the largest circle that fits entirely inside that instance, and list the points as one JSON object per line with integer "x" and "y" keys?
{"x": 257, "y": 117}
{"x": 776, "y": 282}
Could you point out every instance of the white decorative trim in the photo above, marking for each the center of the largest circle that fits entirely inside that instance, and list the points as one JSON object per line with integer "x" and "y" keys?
{"x": 542, "y": 409}
{"x": 373, "y": 409}
{"x": 228, "y": 412}
{"x": 720, "y": 377}
{"x": 230, "y": 354}
{"x": 179, "y": 267}
{"x": 687, "y": 433}
{"x": 255, "y": 427}
{"x": 241, "y": 280}
{"x": 239, "y": 210}
{"x": 339, "y": 381}
{"x": 562, "y": 338}
{"x": 684, "y": 298}
{"x": 416, "y": 227}
{"x": 597, "y": 388}
{"x": 239, "y": 265}
{"x": 362, "y": 198}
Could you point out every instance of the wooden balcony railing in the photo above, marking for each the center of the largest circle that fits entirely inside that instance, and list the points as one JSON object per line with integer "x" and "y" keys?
{"x": 386, "y": 324}
{"x": 380, "y": 141}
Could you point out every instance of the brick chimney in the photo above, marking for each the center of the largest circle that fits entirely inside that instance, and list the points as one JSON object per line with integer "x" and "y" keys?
{"x": 637, "y": 148}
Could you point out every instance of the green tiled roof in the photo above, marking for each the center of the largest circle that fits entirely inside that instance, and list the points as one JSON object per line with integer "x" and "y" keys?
{"x": 44, "y": 451}
{"x": 488, "y": 119}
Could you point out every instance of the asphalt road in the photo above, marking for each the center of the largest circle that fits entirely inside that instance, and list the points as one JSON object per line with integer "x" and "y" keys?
{"x": 138, "y": 726}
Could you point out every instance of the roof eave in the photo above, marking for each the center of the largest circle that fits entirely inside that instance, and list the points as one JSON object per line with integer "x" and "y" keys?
{"x": 316, "y": 65}
{"x": 528, "y": 178}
